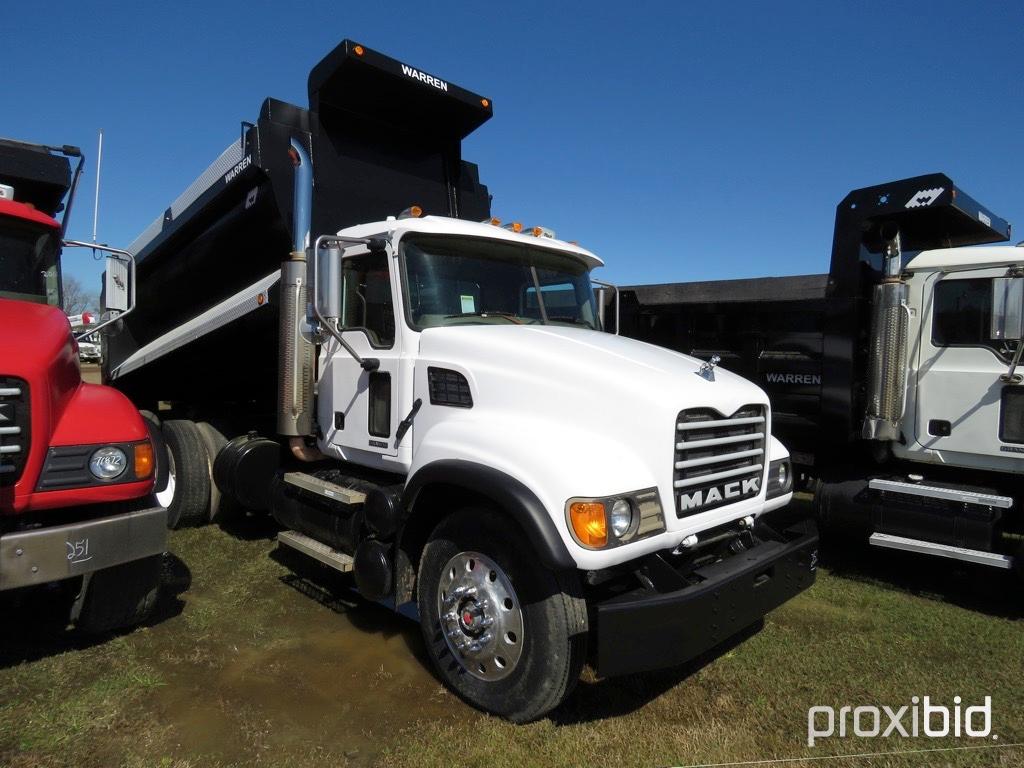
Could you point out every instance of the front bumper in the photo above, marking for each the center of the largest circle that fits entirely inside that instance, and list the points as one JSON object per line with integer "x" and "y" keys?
{"x": 42, "y": 555}
{"x": 645, "y": 629}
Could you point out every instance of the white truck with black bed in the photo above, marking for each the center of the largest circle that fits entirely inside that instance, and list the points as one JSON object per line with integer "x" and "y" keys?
{"x": 424, "y": 397}
{"x": 895, "y": 378}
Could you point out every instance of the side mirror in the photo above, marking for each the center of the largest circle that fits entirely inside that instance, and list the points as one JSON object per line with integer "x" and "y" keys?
{"x": 115, "y": 285}
{"x": 328, "y": 282}
{"x": 1007, "y": 308}
{"x": 118, "y": 283}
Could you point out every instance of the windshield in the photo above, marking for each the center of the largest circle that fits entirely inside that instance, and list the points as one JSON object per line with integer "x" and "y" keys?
{"x": 459, "y": 281}
{"x": 28, "y": 262}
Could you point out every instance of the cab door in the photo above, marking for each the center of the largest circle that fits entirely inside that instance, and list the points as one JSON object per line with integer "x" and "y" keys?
{"x": 959, "y": 391}
{"x": 359, "y": 411}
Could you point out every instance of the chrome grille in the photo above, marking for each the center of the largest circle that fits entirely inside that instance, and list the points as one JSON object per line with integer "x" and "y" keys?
{"x": 719, "y": 459}
{"x": 14, "y": 428}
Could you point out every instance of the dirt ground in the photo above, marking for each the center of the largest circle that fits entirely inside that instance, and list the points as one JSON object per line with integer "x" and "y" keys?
{"x": 91, "y": 373}
{"x": 254, "y": 658}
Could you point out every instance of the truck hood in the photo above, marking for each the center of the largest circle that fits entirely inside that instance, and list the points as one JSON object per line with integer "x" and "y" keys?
{"x": 573, "y": 413}
{"x": 572, "y": 369}
{"x": 34, "y": 334}
{"x": 36, "y": 347}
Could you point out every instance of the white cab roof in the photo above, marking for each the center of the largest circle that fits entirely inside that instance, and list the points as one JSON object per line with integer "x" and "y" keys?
{"x": 442, "y": 225}
{"x": 966, "y": 258}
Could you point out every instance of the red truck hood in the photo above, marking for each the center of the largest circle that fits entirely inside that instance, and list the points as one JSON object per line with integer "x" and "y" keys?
{"x": 34, "y": 339}
{"x": 36, "y": 346}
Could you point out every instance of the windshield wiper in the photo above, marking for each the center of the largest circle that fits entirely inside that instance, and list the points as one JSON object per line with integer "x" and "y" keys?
{"x": 505, "y": 315}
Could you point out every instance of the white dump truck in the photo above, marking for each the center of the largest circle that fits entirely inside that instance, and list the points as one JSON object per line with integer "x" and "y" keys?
{"x": 427, "y": 400}
{"x": 895, "y": 378}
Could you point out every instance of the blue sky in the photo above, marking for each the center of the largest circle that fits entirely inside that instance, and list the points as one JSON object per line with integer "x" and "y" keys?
{"x": 678, "y": 140}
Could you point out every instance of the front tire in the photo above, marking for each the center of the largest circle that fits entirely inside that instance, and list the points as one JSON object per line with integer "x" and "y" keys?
{"x": 504, "y": 633}
{"x": 121, "y": 596}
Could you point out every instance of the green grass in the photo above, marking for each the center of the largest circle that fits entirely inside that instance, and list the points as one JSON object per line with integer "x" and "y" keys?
{"x": 249, "y": 664}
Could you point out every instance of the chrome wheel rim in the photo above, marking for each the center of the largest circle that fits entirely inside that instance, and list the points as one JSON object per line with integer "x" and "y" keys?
{"x": 480, "y": 615}
{"x": 166, "y": 496}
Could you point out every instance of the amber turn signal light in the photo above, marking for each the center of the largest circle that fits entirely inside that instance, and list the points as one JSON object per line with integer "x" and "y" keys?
{"x": 588, "y": 523}
{"x": 143, "y": 460}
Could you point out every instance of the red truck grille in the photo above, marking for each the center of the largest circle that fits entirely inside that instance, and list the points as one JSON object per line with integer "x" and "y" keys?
{"x": 14, "y": 428}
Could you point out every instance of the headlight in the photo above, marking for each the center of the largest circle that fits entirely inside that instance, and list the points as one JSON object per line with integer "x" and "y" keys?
{"x": 780, "y": 478}
{"x": 607, "y": 522}
{"x": 621, "y": 517}
{"x": 108, "y": 463}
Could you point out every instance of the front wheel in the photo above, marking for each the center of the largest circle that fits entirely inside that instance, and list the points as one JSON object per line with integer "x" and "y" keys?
{"x": 504, "y": 633}
{"x": 121, "y": 596}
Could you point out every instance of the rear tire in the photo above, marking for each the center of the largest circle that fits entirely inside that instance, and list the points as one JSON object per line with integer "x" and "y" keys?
{"x": 532, "y": 662}
{"x": 214, "y": 441}
{"x": 121, "y": 596}
{"x": 187, "y": 495}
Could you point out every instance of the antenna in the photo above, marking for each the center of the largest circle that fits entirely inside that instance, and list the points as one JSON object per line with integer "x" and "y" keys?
{"x": 96, "y": 201}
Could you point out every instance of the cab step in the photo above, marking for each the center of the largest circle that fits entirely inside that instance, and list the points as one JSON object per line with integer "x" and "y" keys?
{"x": 300, "y": 542}
{"x": 331, "y": 491}
{"x": 991, "y": 559}
{"x": 956, "y": 495}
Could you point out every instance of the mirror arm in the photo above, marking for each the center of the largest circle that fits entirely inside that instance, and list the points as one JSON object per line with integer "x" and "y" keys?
{"x": 1011, "y": 377}
{"x": 375, "y": 244}
{"x": 614, "y": 288}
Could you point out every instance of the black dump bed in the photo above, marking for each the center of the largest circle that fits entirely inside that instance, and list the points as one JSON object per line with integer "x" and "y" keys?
{"x": 804, "y": 339}
{"x": 38, "y": 176}
{"x": 381, "y": 136}
{"x": 768, "y": 330}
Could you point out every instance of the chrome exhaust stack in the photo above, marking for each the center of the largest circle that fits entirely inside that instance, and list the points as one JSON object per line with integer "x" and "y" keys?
{"x": 295, "y": 347}
{"x": 887, "y": 365}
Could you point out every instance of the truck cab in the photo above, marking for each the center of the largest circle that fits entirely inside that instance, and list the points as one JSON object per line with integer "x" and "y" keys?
{"x": 963, "y": 403}
{"x": 488, "y": 349}
{"x": 76, "y": 459}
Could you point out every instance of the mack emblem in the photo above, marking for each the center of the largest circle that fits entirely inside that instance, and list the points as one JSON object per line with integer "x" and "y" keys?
{"x": 707, "y": 369}
{"x": 716, "y": 493}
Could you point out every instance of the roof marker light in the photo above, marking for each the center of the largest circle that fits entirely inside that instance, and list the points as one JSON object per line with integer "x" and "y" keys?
{"x": 542, "y": 232}
{"x": 514, "y": 226}
{"x": 485, "y": 103}
{"x": 412, "y": 212}
{"x": 358, "y": 50}
{"x": 494, "y": 221}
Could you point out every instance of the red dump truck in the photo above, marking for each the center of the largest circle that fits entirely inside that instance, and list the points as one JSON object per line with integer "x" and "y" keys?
{"x": 77, "y": 515}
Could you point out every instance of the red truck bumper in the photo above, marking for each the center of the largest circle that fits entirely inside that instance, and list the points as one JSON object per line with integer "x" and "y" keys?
{"x": 43, "y": 555}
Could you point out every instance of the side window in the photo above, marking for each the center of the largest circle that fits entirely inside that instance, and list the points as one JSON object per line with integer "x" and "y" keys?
{"x": 962, "y": 314}
{"x": 366, "y": 298}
